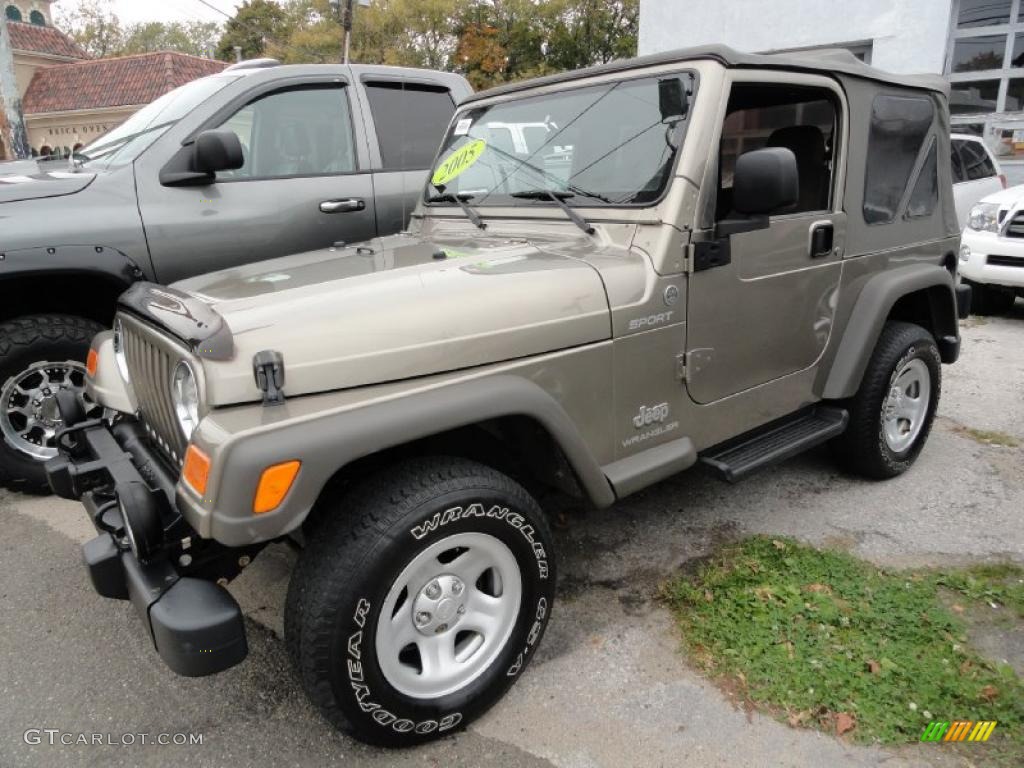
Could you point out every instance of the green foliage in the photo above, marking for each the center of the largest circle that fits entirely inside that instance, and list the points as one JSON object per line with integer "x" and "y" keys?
{"x": 97, "y": 28}
{"x": 255, "y": 25}
{"x": 827, "y": 639}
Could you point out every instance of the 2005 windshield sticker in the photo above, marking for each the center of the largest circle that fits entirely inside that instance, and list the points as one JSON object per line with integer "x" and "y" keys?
{"x": 458, "y": 161}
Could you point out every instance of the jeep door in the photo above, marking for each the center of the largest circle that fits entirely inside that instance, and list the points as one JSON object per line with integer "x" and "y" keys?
{"x": 768, "y": 312}
{"x": 305, "y": 184}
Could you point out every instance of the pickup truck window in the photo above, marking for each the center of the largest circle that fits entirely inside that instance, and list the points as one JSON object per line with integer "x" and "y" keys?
{"x": 303, "y": 131}
{"x": 409, "y": 117}
{"x": 130, "y": 139}
{"x": 612, "y": 144}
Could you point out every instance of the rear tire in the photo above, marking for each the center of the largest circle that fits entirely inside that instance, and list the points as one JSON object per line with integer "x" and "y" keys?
{"x": 26, "y": 343}
{"x": 892, "y": 412}
{"x": 397, "y": 634}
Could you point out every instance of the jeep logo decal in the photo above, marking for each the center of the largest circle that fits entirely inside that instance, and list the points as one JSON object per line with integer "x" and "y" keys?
{"x": 650, "y": 414}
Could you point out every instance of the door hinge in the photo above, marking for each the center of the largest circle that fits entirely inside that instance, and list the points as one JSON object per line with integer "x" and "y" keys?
{"x": 706, "y": 254}
{"x": 681, "y": 366}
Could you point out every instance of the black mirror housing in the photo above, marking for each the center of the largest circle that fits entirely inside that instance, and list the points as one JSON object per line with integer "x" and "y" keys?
{"x": 765, "y": 181}
{"x": 217, "y": 151}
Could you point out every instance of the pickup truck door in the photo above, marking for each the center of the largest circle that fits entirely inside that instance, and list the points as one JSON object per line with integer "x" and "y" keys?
{"x": 407, "y": 115}
{"x": 769, "y": 311}
{"x": 304, "y": 185}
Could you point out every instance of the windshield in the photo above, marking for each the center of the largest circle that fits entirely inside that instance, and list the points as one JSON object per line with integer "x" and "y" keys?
{"x": 609, "y": 144}
{"x": 130, "y": 139}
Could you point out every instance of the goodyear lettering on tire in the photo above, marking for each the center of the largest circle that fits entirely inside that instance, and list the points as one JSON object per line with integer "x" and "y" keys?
{"x": 458, "y": 162}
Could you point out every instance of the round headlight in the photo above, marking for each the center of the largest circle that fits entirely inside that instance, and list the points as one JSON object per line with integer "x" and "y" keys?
{"x": 185, "y": 393}
{"x": 119, "y": 356}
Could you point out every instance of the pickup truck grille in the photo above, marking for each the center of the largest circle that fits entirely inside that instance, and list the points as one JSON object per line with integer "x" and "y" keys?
{"x": 1005, "y": 261}
{"x": 151, "y": 362}
{"x": 1016, "y": 228}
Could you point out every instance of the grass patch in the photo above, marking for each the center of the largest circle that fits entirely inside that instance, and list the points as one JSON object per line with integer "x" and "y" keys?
{"x": 824, "y": 639}
{"x": 990, "y": 437}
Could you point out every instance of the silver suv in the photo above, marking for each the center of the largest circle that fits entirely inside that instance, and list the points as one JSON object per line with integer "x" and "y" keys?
{"x": 613, "y": 274}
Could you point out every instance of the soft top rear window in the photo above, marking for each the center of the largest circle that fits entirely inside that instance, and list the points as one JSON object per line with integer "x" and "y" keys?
{"x": 899, "y": 126}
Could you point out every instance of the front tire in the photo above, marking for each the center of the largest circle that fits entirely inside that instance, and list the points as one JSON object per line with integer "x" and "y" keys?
{"x": 39, "y": 356}
{"x": 891, "y": 415}
{"x": 421, "y": 597}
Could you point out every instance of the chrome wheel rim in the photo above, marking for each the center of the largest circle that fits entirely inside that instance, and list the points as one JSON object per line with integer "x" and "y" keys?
{"x": 29, "y": 418}
{"x": 448, "y": 615}
{"x": 906, "y": 406}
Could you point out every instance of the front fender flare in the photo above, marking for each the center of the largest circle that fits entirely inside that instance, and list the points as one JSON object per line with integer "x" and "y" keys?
{"x": 326, "y": 442}
{"x": 869, "y": 314}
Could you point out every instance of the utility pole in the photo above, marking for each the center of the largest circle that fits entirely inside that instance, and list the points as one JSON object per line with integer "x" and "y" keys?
{"x": 346, "y": 24}
{"x": 12, "y": 121}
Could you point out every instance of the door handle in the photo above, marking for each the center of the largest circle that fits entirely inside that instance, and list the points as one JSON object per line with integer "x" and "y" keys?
{"x": 342, "y": 206}
{"x": 821, "y": 239}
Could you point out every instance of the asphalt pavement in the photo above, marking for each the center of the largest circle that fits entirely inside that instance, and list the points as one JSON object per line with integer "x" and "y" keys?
{"x": 609, "y": 686}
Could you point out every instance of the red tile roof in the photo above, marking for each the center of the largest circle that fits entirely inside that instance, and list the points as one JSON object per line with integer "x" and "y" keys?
{"x": 48, "y": 40}
{"x": 123, "y": 81}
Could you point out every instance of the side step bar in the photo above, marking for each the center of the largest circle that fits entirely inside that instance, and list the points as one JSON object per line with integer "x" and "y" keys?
{"x": 737, "y": 459}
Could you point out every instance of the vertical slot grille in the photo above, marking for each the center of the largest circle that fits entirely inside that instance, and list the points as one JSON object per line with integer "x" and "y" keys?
{"x": 150, "y": 367}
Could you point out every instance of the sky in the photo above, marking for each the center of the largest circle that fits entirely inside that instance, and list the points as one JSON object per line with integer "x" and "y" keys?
{"x": 132, "y": 11}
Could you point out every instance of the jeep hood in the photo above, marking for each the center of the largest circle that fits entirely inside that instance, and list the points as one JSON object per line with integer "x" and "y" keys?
{"x": 32, "y": 180}
{"x": 398, "y": 307}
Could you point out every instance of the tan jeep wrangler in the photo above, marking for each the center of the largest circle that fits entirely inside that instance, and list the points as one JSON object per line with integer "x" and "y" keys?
{"x": 612, "y": 275}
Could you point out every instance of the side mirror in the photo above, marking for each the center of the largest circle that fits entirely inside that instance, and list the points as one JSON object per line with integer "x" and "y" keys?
{"x": 217, "y": 151}
{"x": 765, "y": 181}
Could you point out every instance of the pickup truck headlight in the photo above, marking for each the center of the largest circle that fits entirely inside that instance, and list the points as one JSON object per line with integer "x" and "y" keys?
{"x": 185, "y": 392}
{"x": 119, "y": 356}
{"x": 984, "y": 217}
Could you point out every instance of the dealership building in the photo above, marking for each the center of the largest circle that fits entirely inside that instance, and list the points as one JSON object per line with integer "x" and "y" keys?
{"x": 977, "y": 44}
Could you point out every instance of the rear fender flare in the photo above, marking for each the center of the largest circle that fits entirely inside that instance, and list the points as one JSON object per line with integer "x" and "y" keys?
{"x": 871, "y": 311}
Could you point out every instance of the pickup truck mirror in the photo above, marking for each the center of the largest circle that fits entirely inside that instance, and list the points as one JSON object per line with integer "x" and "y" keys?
{"x": 217, "y": 151}
{"x": 765, "y": 181}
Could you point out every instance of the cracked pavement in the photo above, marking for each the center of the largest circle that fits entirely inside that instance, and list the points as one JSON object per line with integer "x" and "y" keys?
{"x": 609, "y": 685}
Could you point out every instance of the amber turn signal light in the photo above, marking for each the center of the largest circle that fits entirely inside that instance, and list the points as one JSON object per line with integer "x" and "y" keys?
{"x": 275, "y": 482}
{"x": 92, "y": 362}
{"x": 196, "y": 470}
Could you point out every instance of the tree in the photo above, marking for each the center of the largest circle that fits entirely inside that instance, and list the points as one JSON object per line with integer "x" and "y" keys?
{"x": 94, "y": 26}
{"x": 255, "y": 25}
{"x": 193, "y": 37}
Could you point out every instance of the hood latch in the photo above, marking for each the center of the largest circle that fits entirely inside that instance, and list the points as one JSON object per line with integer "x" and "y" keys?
{"x": 268, "y": 369}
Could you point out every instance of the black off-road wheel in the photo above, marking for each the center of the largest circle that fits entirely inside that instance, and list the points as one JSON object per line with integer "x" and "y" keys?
{"x": 39, "y": 356}
{"x": 419, "y": 600}
{"x": 892, "y": 413}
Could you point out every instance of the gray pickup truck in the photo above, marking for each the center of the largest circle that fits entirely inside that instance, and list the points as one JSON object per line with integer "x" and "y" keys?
{"x": 256, "y": 162}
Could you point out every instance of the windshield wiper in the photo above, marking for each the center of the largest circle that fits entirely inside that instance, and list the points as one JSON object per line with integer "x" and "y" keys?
{"x": 460, "y": 200}
{"x": 558, "y": 198}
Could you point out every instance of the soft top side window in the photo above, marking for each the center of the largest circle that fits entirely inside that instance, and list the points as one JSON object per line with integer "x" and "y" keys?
{"x": 899, "y": 127}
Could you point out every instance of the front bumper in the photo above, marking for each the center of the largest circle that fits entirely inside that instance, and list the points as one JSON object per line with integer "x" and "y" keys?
{"x": 195, "y": 624}
{"x": 986, "y": 257}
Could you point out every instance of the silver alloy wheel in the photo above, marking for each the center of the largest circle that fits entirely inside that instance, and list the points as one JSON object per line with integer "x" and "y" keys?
{"x": 906, "y": 407}
{"x": 29, "y": 419}
{"x": 448, "y": 615}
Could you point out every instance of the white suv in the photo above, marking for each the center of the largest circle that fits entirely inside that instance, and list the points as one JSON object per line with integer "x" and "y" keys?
{"x": 992, "y": 251}
{"x": 976, "y": 173}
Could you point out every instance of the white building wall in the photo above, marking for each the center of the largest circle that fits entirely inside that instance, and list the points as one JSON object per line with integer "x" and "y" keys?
{"x": 906, "y": 35}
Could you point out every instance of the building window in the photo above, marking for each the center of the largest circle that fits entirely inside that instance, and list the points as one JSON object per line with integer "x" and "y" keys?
{"x": 985, "y": 60}
{"x": 12, "y": 13}
{"x": 983, "y": 13}
{"x": 37, "y": 18}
